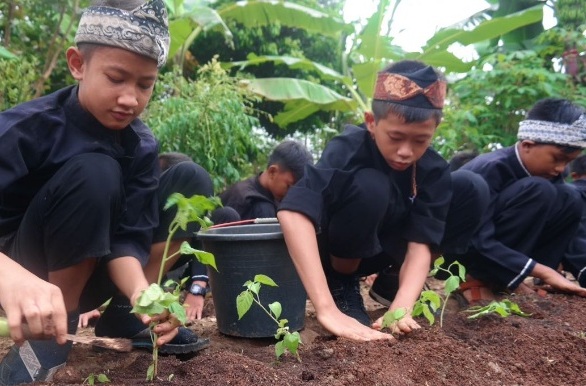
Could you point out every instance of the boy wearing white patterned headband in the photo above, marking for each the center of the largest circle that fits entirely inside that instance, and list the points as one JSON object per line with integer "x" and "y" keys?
{"x": 380, "y": 196}
{"x": 533, "y": 215}
{"x": 81, "y": 191}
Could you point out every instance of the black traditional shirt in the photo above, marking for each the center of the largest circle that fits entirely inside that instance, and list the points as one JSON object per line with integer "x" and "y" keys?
{"x": 319, "y": 191}
{"x": 500, "y": 169}
{"x": 250, "y": 199}
{"x": 38, "y": 137}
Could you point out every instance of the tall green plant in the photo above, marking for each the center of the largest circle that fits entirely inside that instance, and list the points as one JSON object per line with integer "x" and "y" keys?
{"x": 210, "y": 119}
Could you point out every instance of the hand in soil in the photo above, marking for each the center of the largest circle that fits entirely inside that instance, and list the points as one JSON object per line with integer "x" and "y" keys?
{"x": 403, "y": 326}
{"x": 193, "y": 307}
{"x": 84, "y": 319}
{"x": 344, "y": 326}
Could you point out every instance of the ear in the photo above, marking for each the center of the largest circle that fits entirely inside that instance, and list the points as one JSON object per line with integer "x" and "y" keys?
{"x": 273, "y": 170}
{"x": 75, "y": 62}
{"x": 575, "y": 175}
{"x": 369, "y": 121}
{"x": 527, "y": 144}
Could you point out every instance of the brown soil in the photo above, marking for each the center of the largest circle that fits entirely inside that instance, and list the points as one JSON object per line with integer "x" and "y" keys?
{"x": 548, "y": 348}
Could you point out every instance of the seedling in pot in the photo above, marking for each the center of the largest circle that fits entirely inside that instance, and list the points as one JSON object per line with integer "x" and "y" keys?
{"x": 156, "y": 299}
{"x": 287, "y": 340}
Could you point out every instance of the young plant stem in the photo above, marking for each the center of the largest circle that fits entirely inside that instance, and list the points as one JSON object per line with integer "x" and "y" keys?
{"x": 172, "y": 229}
{"x": 257, "y": 301}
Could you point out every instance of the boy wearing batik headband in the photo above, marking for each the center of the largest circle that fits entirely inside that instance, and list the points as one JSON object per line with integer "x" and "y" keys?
{"x": 80, "y": 191}
{"x": 533, "y": 215}
{"x": 380, "y": 196}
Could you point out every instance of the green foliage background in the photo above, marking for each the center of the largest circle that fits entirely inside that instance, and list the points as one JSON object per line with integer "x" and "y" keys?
{"x": 209, "y": 119}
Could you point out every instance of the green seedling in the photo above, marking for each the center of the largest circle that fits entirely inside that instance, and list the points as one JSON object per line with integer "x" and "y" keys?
{"x": 392, "y": 317}
{"x": 429, "y": 301}
{"x": 157, "y": 299}
{"x": 92, "y": 379}
{"x": 287, "y": 340}
{"x": 502, "y": 308}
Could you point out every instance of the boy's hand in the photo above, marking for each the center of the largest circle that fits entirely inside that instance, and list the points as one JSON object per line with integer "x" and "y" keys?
{"x": 24, "y": 296}
{"x": 344, "y": 326}
{"x": 166, "y": 328}
{"x": 556, "y": 280}
{"x": 193, "y": 306}
{"x": 403, "y": 326}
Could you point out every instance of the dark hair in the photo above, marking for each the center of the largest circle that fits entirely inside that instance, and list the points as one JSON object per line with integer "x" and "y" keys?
{"x": 578, "y": 165}
{"x": 166, "y": 160}
{"x": 556, "y": 110}
{"x": 381, "y": 109}
{"x": 291, "y": 156}
{"x": 461, "y": 158}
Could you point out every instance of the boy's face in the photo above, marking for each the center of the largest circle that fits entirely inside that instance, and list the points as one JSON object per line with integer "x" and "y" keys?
{"x": 401, "y": 144}
{"x": 279, "y": 181}
{"x": 115, "y": 85}
{"x": 547, "y": 161}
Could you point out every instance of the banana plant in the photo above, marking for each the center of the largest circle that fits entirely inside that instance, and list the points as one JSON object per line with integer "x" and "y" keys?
{"x": 368, "y": 50}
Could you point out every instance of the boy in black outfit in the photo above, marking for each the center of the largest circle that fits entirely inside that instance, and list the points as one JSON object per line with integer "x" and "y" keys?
{"x": 258, "y": 196}
{"x": 80, "y": 190}
{"x": 533, "y": 214}
{"x": 380, "y": 196}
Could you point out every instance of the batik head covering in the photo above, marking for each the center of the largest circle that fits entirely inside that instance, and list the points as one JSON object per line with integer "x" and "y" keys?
{"x": 573, "y": 135}
{"x": 422, "y": 88}
{"x": 144, "y": 30}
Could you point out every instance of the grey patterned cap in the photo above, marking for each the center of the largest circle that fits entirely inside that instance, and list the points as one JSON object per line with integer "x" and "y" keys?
{"x": 573, "y": 134}
{"x": 144, "y": 30}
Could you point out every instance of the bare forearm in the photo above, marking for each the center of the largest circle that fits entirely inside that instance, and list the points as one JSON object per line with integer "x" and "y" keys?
{"x": 302, "y": 245}
{"x": 127, "y": 274}
{"x": 412, "y": 276}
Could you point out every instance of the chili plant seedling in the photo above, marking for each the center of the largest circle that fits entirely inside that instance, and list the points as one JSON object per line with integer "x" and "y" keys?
{"x": 155, "y": 300}
{"x": 287, "y": 340}
{"x": 392, "y": 317}
{"x": 92, "y": 379}
{"x": 429, "y": 301}
{"x": 503, "y": 308}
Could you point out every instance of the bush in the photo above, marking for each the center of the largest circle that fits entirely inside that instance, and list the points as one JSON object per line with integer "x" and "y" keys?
{"x": 210, "y": 119}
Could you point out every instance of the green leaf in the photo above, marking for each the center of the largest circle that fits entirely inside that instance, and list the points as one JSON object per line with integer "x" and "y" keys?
{"x": 264, "y": 279}
{"x": 486, "y": 30}
{"x": 178, "y": 310}
{"x": 150, "y": 372}
{"x": 291, "y": 342}
{"x": 254, "y": 287}
{"x": 243, "y": 303}
{"x": 429, "y": 315}
{"x": 276, "y": 309}
{"x": 206, "y": 258}
{"x": 451, "y": 284}
{"x": 301, "y": 97}
{"x": 103, "y": 378}
{"x": 439, "y": 262}
{"x": 262, "y": 13}
{"x": 293, "y": 63}
{"x": 279, "y": 349}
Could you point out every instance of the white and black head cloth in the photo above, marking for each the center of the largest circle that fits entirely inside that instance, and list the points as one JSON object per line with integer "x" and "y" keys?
{"x": 573, "y": 135}
{"x": 144, "y": 30}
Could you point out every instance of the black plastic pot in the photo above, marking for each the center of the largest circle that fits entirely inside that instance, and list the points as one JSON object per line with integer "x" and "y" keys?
{"x": 242, "y": 252}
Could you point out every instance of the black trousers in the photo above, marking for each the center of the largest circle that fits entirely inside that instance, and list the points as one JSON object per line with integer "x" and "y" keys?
{"x": 534, "y": 217}
{"x": 370, "y": 225}
{"x": 75, "y": 213}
